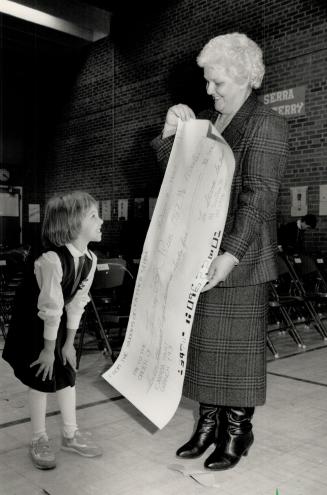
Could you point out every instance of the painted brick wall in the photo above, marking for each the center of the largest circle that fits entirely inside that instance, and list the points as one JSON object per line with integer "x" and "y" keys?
{"x": 125, "y": 85}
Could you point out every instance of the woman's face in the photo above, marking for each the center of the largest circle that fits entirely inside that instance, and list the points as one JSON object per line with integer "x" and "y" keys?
{"x": 228, "y": 96}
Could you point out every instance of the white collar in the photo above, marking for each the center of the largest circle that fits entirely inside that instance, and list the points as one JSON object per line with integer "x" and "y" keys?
{"x": 76, "y": 253}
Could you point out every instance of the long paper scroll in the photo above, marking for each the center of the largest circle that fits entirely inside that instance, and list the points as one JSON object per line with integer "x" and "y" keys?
{"x": 183, "y": 237}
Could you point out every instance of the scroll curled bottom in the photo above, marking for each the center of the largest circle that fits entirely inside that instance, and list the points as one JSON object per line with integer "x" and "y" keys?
{"x": 183, "y": 238}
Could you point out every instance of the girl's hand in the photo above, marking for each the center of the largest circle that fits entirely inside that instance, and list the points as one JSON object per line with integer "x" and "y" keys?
{"x": 219, "y": 270}
{"x": 45, "y": 360}
{"x": 180, "y": 111}
{"x": 69, "y": 355}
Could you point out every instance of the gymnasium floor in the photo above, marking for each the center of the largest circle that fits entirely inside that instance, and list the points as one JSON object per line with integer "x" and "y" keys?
{"x": 288, "y": 456}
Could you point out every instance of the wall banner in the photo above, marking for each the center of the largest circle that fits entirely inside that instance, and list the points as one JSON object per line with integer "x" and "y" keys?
{"x": 299, "y": 205}
{"x": 322, "y": 199}
{"x": 34, "y": 213}
{"x": 184, "y": 235}
{"x": 287, "y": 102}
{"x": 123, "y": 209}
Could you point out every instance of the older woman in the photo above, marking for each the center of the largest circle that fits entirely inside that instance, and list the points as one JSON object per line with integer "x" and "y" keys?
{"x": 226, "y": 366}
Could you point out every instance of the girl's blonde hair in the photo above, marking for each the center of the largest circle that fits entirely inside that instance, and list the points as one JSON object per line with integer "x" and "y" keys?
{"x": 63, "y": 216}
{"x": 238, "y": 54}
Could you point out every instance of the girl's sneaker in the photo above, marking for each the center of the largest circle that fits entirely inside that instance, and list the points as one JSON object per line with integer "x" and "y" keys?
{"x": 42, "y": 454}
{"x": 82, "y": 444}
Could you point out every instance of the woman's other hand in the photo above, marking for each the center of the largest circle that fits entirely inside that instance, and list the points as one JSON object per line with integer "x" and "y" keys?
{"x": 219, "y": 270}
{"x": 180, "y": 111}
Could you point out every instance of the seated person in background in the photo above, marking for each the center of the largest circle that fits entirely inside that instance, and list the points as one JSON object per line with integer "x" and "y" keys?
{"x": 291, "y": 235}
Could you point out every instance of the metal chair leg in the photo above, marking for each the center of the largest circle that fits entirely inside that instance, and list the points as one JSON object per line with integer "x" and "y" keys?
{"x": 317, "y": 321}
{"x": 272, "y": 348}
{"x": 102, "y": 331}
{"x": 292, "y": 330}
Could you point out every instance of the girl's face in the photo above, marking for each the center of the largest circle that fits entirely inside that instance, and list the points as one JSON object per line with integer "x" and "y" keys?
{"x": 228, "y": 96}
{"x": 91, "y": 226}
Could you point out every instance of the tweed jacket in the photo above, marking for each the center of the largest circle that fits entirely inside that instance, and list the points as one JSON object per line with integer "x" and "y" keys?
{"x": 258, "y": 138}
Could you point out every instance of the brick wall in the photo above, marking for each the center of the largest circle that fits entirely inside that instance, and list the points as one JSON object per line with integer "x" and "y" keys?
{"x": 125, "y": 84}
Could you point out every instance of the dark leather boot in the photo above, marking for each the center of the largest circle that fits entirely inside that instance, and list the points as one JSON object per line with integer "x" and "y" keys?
{"x": 236, "y": 439}
{"x": 204, "y": 435}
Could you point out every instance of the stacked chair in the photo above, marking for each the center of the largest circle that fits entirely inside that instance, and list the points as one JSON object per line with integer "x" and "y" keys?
{"x": 106, "y": 317}
{"x": 321, "y": 266}
{"x": 297, "y": 297}
{"x": 9, "y": 281}
{"x": 312, "y": 282}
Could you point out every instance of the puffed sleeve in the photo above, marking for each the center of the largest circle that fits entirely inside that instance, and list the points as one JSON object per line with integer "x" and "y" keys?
{"x": 75, "y": 307}
{"x": 48, "y": 272}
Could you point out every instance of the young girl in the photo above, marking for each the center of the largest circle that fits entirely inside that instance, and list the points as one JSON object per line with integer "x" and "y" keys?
{"x": 49, "y": 305}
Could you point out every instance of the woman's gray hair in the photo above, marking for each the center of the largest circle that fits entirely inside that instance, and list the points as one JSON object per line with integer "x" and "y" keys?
{"x": 238, "y": 54}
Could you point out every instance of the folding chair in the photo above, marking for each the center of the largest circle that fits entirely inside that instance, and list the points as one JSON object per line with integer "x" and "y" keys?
{"x": 321, "y": 286}
{"x": 5, "y": 315}
{"x": 110, "y": 295}
{"x": 279, "y": 318}
{"x": 312, "y": 284}
{"x": 292, "y": 295}
{"x": 7, "y": 296}
{"x": 321, "y": 265}
{"x": 310, "y": 273}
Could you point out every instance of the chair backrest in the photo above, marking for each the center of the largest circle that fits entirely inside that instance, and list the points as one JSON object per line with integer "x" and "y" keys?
{"x": 3, "y": 265}
{"x": 304, "y": 264}
{"x": 321, "y": 263}
{"x": 288, "y": 282}
{"x": 309, "y": 273}
{"x": 109, "y": 273}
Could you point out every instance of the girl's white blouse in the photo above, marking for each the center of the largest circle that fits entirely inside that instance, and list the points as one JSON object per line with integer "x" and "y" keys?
{"x": 48, "y": 272}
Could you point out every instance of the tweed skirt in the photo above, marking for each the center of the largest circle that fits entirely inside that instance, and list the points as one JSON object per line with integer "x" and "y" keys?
{"x": 226, "y": 363}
